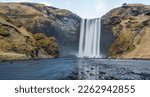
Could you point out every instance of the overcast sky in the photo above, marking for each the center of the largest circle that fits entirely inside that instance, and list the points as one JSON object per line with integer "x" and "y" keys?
{"x": 84, "y": 8}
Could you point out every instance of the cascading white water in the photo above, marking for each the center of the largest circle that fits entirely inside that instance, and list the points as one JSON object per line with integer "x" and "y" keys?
{"x": 89, "y": 45}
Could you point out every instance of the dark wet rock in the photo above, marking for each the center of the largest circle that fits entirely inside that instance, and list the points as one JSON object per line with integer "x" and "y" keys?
{"x": 115, "y": 20}
{"x": 11, "y": 62}
{"x": 87, "y": 71}
{"x": 110, "y": 78}
{"x": 144, "y": 76}
{"x": 135, "y": 11}
{"x": 73, "y": 75}
{"x": 91, "y": 74}
{"x": 92, "y": 68}
{"x": 147, "y": 12}
{"x": 102, "y": 73}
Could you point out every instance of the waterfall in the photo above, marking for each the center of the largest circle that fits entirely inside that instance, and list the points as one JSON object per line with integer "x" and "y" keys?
{"x": 89, "y": 45}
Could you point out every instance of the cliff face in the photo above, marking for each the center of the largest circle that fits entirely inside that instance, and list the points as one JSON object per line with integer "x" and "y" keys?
{"x": 129, "y": 30}
{"x": 18, "y": 43}
{"x": 38, "y": 18}
{"x": 40, "y": 24}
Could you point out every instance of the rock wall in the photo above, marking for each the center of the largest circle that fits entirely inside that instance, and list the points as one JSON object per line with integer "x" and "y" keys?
{"x": 38, "y": 18}
{"x": 17, "y": 42}
{"x": 128, "y": 28}
{"x": 60, "y": 23}
{"x": 107, "y": 37}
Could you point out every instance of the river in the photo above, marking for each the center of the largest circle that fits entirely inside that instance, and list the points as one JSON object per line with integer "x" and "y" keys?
{"x": 75, "y": 69}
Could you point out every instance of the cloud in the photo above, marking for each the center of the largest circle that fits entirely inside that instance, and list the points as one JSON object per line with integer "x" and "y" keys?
{"x": 101, "y": 7}
{"x": 67, "y": 2}
{"x": 47, "y": 3}
{"x": 104, "y": 6}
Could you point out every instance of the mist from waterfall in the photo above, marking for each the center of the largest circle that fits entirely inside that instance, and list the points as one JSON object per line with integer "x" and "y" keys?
{"x": 90, "y": 32}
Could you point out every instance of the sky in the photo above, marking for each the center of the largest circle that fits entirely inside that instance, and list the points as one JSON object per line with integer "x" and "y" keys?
{"x": 85, "y": 8}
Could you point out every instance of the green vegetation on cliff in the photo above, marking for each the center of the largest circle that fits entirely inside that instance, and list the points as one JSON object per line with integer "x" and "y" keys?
{"x": 49, "y": 44}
